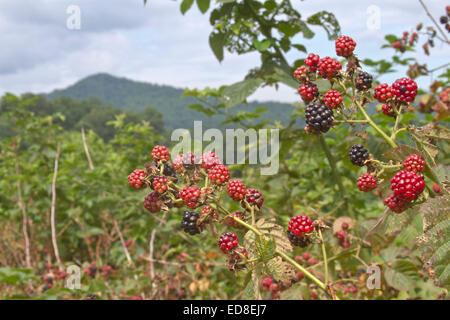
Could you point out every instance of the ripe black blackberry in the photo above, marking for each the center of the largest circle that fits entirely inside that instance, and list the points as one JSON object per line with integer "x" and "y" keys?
{"x": 168, "y": 171}
{"x": 358, "y": 155}
{"x": 298, "y": 241}
{"x": 189, "y": 222}
{"x": 319, "y": 117}
{"x": 363, "y": 81}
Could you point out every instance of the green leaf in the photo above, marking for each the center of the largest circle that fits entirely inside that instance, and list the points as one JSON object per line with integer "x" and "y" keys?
{"x": 433, "y": 243}
{"x": 328, "y": 21}
{"x": 203, "y": 5}
{"x": 216, "y": 42}
{"x": 185, "y": 6}
{"x": 200, "y": 108}
{"x": 300, "y": 47}
{"x": 261, "y": 45}
{"x": 239, "y": 91}
{"x": 391, "y": 38}
{"x": 401, "y": 275}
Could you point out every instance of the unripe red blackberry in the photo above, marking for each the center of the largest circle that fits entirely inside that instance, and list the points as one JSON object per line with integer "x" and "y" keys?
{"x": 190, "y": 196}
{"x": 437, "y": 188}
{"x": 160, "y": 153}
{"x": 191, "y": 160}
{"x": 414, "y": 163}
{"x": 160, "y": 184}
{"x": 344, "y": 226}
{"x": 136, "y": 179}
{"x": 189, "y": 222}
{"x": 396, "y": 204}
{"x": 306, "y": 256}
{"x": 228, "y": 241}
{"x": 254, "y": 198}
{"x": 328, "y": 67}
{"x": 152, "y": 202}
{"x": 210, "y": 160}
{"x": 178, "y": 164}
{"x": 311, "y": 61}
{"x": 397, "y": 44}
{"x": 298, "y": 241}
{"x": 366, "y": 182}
{"x": 300, "y": 225}
{"x": 363, "y": 81}
{"x": 388, "y": 110}
{"x": 301, "y": 73}
{"x": 236, "y": 190}
{"x": 332, "y": 99}
{"x": 382, "y": 92}
{"x": 358, "y": 155}
{"x": 407, "y": 185}
{"x": 319, "y": 117}
{"x": 308, "y": 91}
{"x": 405, "y": 89}
{"x": 266, "y": 282}
{"x": 345, "y": 46}
{"x": 219, "y": 175}
{"x": 232, "y": 223}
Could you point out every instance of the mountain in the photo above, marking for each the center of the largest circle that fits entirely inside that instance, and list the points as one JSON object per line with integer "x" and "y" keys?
{"x": 132, "y": 95}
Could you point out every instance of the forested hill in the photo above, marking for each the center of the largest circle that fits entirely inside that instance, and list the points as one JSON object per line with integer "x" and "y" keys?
{"x": 132, "y": 95}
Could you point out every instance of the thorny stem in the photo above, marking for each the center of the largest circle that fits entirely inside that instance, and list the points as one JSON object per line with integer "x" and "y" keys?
{"x": 324, "y": 253}
{"x": 351, "y": 121}
{"x": 371, "y": 123}
{"x": 397, "y": 121}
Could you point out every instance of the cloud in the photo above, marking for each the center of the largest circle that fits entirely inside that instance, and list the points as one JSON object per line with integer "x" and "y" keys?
{"x": 157, "y": 44}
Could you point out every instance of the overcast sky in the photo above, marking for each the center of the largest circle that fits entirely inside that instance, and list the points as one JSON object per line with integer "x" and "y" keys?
{"x": 157, "y": 44}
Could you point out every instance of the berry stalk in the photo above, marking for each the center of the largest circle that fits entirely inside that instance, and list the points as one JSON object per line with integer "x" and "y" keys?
{"x": 373, "y": 124}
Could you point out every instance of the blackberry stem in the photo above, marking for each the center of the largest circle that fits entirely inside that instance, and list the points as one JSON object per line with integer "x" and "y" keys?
{"x": 324, "y": 254}
{"x": 370, "y": 121}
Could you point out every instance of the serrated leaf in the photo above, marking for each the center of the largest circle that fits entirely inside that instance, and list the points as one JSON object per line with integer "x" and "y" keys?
{"x": 280, "y": 270}
{"x": 401, "y": 275}
{"x": 216, "y": 42}
{"x": 239, "y": 91}
{"x": 328, "y": 21}
{"x": 433, "y": 243}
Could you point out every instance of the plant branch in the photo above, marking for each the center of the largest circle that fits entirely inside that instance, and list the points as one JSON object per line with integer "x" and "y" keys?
{"x": 434, "y": 21}
{"x": 370, "y": 121}
{"x": 53, "y": 207}
{"x": 86, "y": 150}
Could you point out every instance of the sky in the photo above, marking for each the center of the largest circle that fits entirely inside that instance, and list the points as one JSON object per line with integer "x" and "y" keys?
{"x": 157, "y": 44}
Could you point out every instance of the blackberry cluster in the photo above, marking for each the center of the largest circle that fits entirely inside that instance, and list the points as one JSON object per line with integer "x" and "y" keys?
{"x": 332, "y": 99}
{"x": 159, "y": 184}
{"x": 366, "y": 182}
{"x": 407, "y": 185}
{"x": 236, "y": 190}
{"x": 136, "y": 179}
{"x": 160, "y": 153}
{"x": 190, "y": 160}
{"x": 152, "y": 202}
{"x": 189, "y": 222}
{"x": 382, "y": 92}
{"x": 301, "y": 73}
{"x": 219, "y": 174}
{"x": 300, "y": 225}
{"x": 358, "y": 155}
{"x": 210, "y": 160}
{"x": 312, "y": 61}
{"x": 308, "y": 91}
{"x": 190, "y": 196}
{"x": 319, "y": 117}
{"x": 328, "y": 67}
{"x": 405, "y": 89}
{"x": 345, "y": 46}
{"x": 253, "y": 197}
{"x": 298, "y": 241}
{"x": 414, "y": 163}
{"x": 396, "y": 204}
{"x": 228, "y": 241}
{"x": 363, "y": 81}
